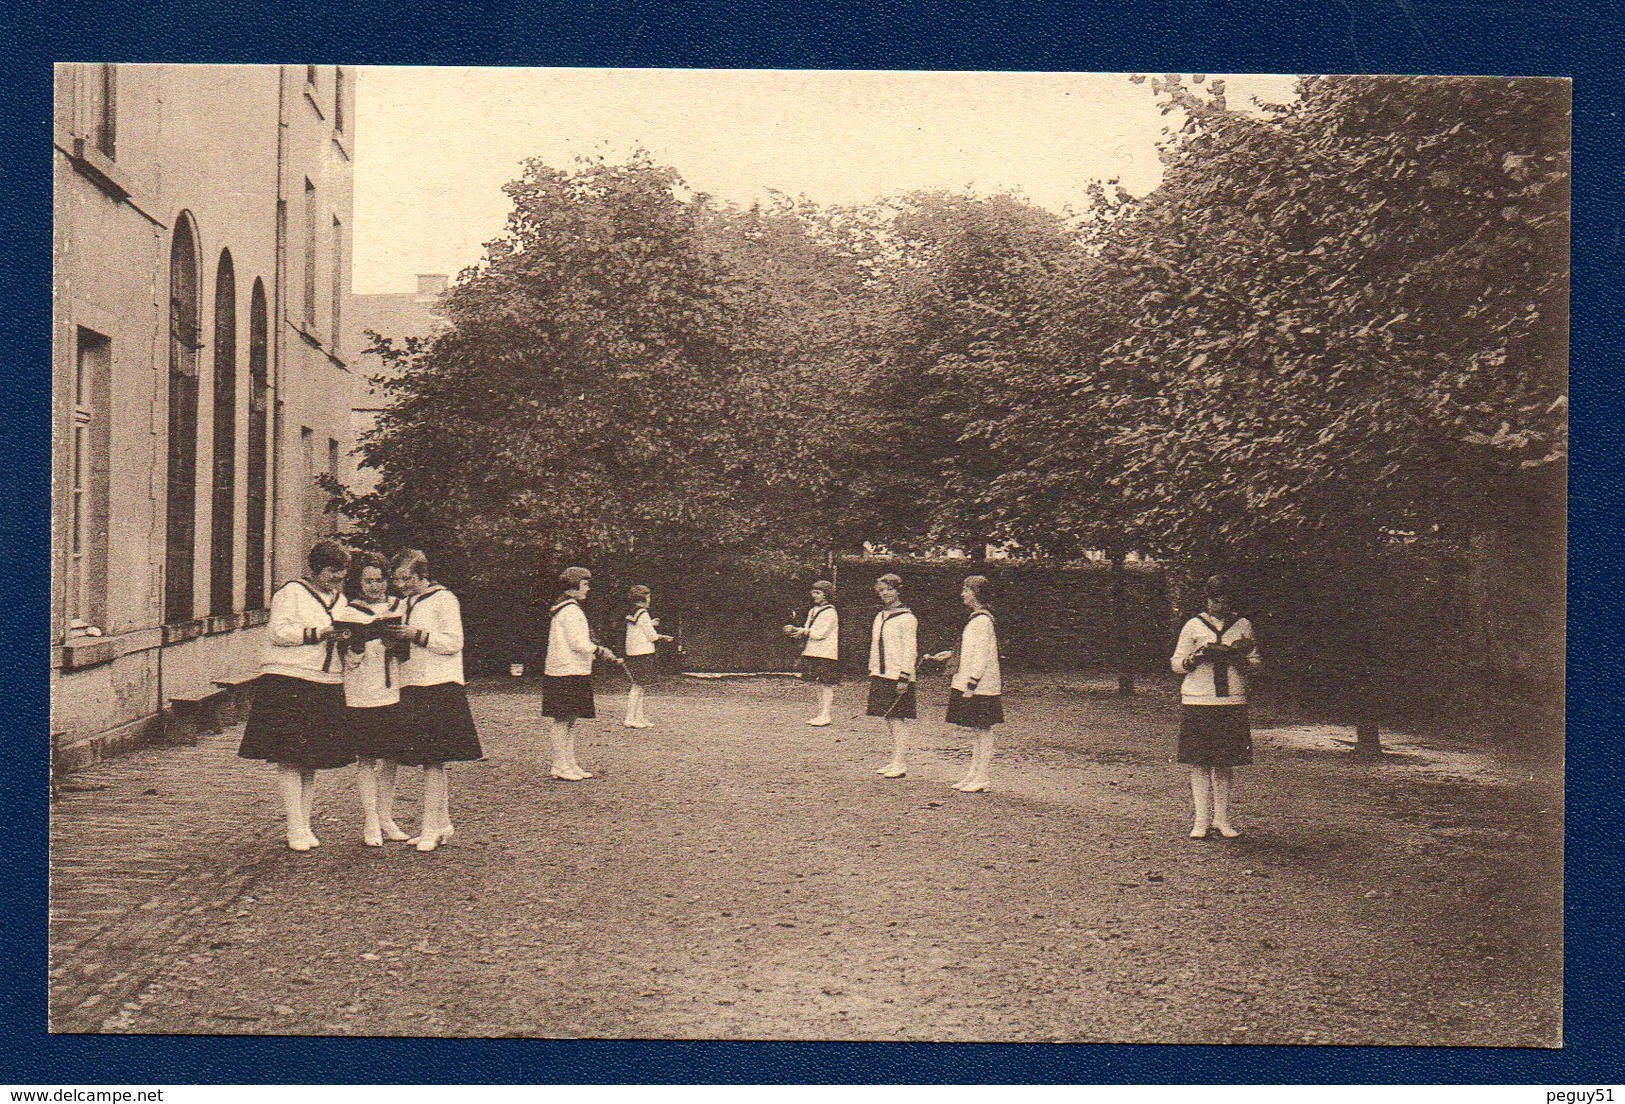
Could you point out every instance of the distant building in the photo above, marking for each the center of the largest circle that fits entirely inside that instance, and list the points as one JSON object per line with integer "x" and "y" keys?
{"x": 395, "y": 315}
{"x": 200, "y": 373}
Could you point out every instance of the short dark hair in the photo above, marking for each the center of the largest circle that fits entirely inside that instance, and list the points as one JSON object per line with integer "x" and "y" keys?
{"x": 1218, "y": 586}
{"x": 414, "y": 561}
{"x": 638, "y": 593}
{"x": 328, "y": 553}
{"x": 892, "y": 580}
{"x": 572, "y": 577}
{"x": 359, "y": 564}
{"x": 826, "y": 588}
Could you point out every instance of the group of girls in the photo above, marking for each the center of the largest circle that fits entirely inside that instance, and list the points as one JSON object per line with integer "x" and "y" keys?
{"x": 1216, "y": 651}
{"x": 974, "y": 700}
{"x": 354, "y": 674}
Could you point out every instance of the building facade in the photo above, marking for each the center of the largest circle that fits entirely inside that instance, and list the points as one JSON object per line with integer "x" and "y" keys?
{"x": 200, "y": 375}
{"x": 397, "y": 316}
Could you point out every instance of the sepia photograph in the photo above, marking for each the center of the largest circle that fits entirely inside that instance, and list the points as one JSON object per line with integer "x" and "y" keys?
{"x": 808, "y": 555}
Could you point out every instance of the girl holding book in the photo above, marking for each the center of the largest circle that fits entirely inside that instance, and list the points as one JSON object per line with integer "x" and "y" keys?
{"x": 372, "y": 692}
{"x": 297, "y": 717}
{"x": 567, "y": 674}
{"x": 1216, "y": 650}
{"x": 436, "y": 724}
{"x": 974, "y": 701}
{"x": 642, "y": 666}
{"x": 893, "y": 650}
{"x": 821, "y": 652}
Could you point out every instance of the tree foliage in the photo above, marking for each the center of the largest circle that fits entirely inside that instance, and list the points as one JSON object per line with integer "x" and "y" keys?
{"x": 1333, "y": 326}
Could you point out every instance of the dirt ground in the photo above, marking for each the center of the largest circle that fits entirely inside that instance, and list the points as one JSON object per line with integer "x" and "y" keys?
{"x": 734, "y": 874}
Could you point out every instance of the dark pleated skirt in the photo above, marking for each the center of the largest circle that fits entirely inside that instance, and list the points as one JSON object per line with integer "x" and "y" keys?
{"x": 436, "y": 725}
{"x": 567, "y": 696}
{"x": 1215, "y": 736}
{"x": 297, "y": 723}
{"x": 643, "y": 669}
{"x": 884, "y": 701}
{"x": 821, "y": 670}
{"x": 975, "y": 711}
{"x": 375, "y": 732}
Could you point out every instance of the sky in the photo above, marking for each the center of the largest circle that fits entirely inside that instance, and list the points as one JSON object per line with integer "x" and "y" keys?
{"x": 435, "y": 145}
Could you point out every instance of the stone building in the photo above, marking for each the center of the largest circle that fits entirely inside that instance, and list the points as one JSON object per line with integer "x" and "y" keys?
{"x": 200, "y": 375}
{"x": 397, "y": 315}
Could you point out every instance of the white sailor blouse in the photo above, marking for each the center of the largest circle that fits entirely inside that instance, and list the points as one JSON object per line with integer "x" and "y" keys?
{"x": 823, "y": 628}
{"x": 892, "y": 644}
{"x": 978, "y": 657}
{"x": 570, "y": 647}
{"x": 434, "y": 620}
{"x": 641, "y": 633}
{"x": 294, "y": 646}
{"x": 1214, "y": 681}
{"x": 372, "y": 671}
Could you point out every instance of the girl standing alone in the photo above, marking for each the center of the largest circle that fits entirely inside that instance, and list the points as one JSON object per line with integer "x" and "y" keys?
{"x": 1215, "y": 648}
{"x": 297, "y": 717}
{"x": 436, "y": 724}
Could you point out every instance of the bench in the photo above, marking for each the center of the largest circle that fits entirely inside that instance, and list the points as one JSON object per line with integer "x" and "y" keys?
{"x": 238, "y": 691}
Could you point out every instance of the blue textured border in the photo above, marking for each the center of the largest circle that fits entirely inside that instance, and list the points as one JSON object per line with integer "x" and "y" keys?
{"x": 1506, "y": 37}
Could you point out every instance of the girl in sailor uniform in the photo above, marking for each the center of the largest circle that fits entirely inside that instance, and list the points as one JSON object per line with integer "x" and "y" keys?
{"x": 436, "y": 724}
{"x": 1216, "y": 649}
{"x": 893, "y": 650}
{"x": 567, "y": 674}
{"x": 821, "y": 652}
{"x": 973, "y": 701}
{"x": 642, "y": 667}
{"x": 297, "y": 717}
{"x": 372, "y": 692}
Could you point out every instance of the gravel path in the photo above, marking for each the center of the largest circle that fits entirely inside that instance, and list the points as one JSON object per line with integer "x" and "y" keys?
{"x": 732, "y": 873}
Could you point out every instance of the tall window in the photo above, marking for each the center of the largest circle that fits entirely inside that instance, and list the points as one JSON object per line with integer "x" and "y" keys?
{"x": 101, "y": 102}
{"x": 86, "y": 573}
{"x": 338, "y": 281}
{"x": 223, "y": 536}
{"x": 307, "y": 454}
{"x": 330, "y": 520}
{"x": 310, "y": 255}
{"x": 181, "y": 499}
{"x": 259, "y": 442}
{"x": 338, "y": 98}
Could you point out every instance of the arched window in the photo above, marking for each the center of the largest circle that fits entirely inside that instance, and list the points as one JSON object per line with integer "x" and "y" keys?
{"x": 184, "y": 345}
{"x": 259, "y": 442}
{"x": 222, "y": 545}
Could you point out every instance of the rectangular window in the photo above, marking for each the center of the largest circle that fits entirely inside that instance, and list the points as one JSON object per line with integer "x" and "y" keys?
{"x": 312, "y": 492}
{"x": 338, "y": 281}
{"x": 86, "y": 577}
{"x": 338, "y": 99}
{"x": 101, "y": 103}
{"x": 330, "y": 519}
{"x": 310, "y": 255}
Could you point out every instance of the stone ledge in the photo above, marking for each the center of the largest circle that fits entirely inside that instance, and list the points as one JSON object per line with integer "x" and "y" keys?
{"x": 90, "y": 750}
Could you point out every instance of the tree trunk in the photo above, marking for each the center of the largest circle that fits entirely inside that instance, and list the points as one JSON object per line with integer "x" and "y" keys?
{"x": 1122, "y": 651}
{"x": 1367, "y": 744}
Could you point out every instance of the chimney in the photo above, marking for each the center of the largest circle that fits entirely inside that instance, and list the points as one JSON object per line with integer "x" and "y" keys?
{"x": 431, "y": 285}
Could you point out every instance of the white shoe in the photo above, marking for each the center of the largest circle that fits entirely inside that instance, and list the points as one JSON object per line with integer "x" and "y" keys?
{"x": 298, "y": 841}
{"x": 819, "y": 722}
{"x": 1226, "y": 831}
{"x": 637, "y": 724}
{"x": 890, "y": 771}
{"x": 392, "y": 831}
{"x": 372, "y": 836}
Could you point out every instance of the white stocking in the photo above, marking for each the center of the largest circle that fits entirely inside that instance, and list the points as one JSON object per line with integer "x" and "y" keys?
{"x": 366, "y": 781}
{"x": 1201, "y": 797}
{"x": 307, "y": 799}
{"x": 291, "y": 787}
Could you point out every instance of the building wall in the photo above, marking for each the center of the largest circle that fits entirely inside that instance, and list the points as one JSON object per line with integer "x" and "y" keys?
{"x": 397, "y": 316}
{"x": 215, "y": 147}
